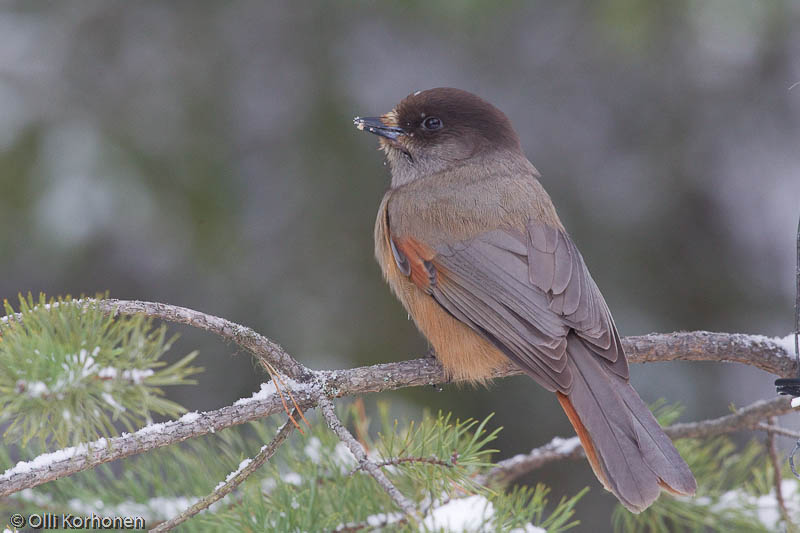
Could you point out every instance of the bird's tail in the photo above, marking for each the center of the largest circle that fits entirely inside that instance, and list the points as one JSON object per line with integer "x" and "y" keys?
{"x": 628, "y": 451}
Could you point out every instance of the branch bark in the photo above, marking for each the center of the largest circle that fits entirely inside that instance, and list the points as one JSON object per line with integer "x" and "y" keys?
{"x": 752, "y": 350}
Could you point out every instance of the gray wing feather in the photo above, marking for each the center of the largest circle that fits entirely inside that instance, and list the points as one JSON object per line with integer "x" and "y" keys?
{"x": 578, "y": 300}
{"x": 525, "y": 293}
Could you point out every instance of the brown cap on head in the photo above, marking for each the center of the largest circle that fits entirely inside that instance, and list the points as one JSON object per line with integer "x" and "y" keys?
{"x": 429, "y": 131}
{"x": 459, "y": 113}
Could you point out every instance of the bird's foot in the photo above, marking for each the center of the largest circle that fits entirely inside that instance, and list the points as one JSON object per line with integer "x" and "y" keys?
{"x": 439, "y": 387}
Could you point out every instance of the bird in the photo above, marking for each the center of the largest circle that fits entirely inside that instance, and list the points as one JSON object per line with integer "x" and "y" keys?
{"x": 470, "y": 243}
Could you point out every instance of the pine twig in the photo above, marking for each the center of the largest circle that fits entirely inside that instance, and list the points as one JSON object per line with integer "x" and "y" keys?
{"x": 778, "y": 430}
{"x": 329, "y": 414}
{"x": 772, "y": 451}
{"x": 401, "y": 460}
{"x": 745, "y": 418}
{"x": 267, "y": 451}
{"x": 277, "y": 381}
{"x": 507, "y": 470}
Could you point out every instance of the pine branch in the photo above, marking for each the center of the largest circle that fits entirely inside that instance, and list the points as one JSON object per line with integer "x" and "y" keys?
{"x": 745, "y": 418}
{"x": 67, "y": 461}
{"x": 225, "y": 488}
{"x": 73, "y": 374}
{"x": 770, "y": 355}
{"x": 326, "y": 407}
{"x": 258, "y": 345}
{"x": 402, "y": 460}
{"x": 778, "y": 430}
{"x": 308, "y": 386}
{"x": 772, "y": 451}
{"x": 761, "y": 352}
{"x": 507, "y": 470}
{"x": 753, "y": 350}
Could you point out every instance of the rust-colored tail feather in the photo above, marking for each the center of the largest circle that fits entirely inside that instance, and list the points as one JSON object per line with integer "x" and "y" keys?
{"x": 627, "y": 449}
{"x": 586, "y": 440}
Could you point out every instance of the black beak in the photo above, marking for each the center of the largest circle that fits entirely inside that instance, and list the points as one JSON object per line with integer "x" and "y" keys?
{"x": 376, "y": 126}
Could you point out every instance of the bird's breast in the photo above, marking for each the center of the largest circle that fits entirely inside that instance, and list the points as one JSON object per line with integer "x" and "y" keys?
{"x": 464, "y": 354}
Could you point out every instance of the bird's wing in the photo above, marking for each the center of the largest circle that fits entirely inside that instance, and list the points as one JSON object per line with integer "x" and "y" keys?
{"x": 524, "y": 292}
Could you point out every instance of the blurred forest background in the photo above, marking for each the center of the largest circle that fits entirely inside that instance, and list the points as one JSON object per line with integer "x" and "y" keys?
{"x": 202, "y": 154}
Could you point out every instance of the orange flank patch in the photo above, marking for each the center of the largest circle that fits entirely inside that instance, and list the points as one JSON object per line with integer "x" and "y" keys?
{"x": 417, "y": 253}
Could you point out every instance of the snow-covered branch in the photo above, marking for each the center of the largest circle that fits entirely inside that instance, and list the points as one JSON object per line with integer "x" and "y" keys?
{"x": 308, "y": 386}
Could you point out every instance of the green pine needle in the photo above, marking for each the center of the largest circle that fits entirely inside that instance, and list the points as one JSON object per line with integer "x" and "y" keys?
{"x": 70, "y": 373}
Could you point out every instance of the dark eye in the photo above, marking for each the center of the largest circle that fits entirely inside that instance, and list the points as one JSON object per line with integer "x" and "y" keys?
{"x": 432, "y": 123}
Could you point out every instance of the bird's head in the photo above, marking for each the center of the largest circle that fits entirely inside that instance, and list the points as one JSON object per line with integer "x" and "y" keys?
{"x": 435, "y": 130}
